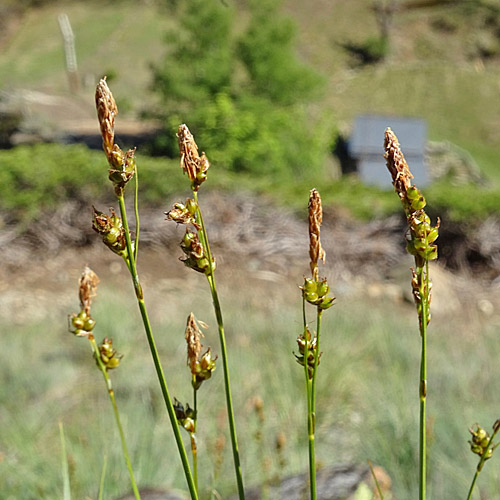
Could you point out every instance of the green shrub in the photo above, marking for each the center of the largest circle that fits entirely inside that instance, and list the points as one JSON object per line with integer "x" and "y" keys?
{"x": 36, "y": 179}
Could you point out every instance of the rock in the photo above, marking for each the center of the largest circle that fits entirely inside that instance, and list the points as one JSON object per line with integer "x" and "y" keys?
{"x": 345, "y": 482}
{"x": 154, "y": 494}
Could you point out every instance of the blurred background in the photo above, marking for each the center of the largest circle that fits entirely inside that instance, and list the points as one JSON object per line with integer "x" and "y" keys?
{"x": 283, "y": 96}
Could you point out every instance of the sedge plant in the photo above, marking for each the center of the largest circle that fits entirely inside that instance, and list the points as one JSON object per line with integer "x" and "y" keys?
{"x": 106, "y": 357}
{"x": 420, "y": 244}
{"x": 117, "y": 236}
{"x": 315, "y": 292}
{"x": 196, "y": 247}
{"x": 201, "y": 368}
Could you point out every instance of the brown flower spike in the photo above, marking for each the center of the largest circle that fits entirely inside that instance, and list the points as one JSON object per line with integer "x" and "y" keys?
{"x": 192, "y": 163}
{"x": 88, "y": 288}
{"x": 106, "y": 112}
{"x": 82, "y": 324}
{"x": 122, "y": 164}
{"x": 201, "y": 368}
{"x": 396, "y": 163}
{"x": 315, "y": 219}
{"x": 193, "y": 335}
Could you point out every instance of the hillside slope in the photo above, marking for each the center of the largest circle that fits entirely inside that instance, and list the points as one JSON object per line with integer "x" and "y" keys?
{"x": 443, "y": 63}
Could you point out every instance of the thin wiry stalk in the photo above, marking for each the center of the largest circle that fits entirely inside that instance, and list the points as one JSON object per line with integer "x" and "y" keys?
{"x": 103, "y": 478}
{"x": 65, "y": 467}
{"x": 379, "y": 490}
{"x": 111, "y": 394}
{"x": 423, "y": 277}
{"x": 310, "y": 413}
{"x": 131, "y": 264}
{"x": 316, "y": 357}
{"x": 194, "y": 447}
{"x": 311, "y": 400}
{"x": 222, "y": 340}
{"x": 136, "y": 212}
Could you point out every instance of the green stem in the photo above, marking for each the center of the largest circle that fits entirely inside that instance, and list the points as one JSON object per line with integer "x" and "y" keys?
{"x": 111, "y": 393}
{"x": 194, "y": 447}
{"x": 474, "y": 479}
{"x": 222, "y": 339}
{"x": 482, "y": 460}
{"x": 316, "y": 357}
{"x": 136, "y": 212}
{"x": 312, "y": 458}
{"x": 423, "y": 280}
{"x": 131, "y": 264}
{"x": 310, "y": 408}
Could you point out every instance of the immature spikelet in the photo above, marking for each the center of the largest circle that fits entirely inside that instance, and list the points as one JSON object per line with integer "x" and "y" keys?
{"x": 196, "y": 257}
{"x": 194, "y": 165}
{"x": 88, "y": 288}
{"x": 184, "y": 213}
{"x": 112, "y": 231}
{"x": 110, "y": 358}
{"x": 315, "y": 219}
{"x": 303, "y": 341}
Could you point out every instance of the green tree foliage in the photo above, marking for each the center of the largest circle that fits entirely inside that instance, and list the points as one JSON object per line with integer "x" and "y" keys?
{"x": 198, "y": 61}
{"x": 244, "y": 95}
{"x": 267, "y": 50}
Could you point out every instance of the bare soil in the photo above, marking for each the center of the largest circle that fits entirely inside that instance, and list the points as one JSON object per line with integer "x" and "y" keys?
{"x": 258, "y": 247}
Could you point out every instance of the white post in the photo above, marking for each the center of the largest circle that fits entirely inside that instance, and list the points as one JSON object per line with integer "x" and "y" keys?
{"x": 69, "y": 51}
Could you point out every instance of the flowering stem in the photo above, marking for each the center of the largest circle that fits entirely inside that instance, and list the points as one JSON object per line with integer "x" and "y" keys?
{"x": 222, "y": 339}
{"x": 131, "y": 264}
{"x": 482, "y": 460}
{"x": 111, "y": 394}
{"x": 423, "y": 281}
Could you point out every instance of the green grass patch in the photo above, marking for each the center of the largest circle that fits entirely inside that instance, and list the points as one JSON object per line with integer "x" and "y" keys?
{"x": 367, "y": 404}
